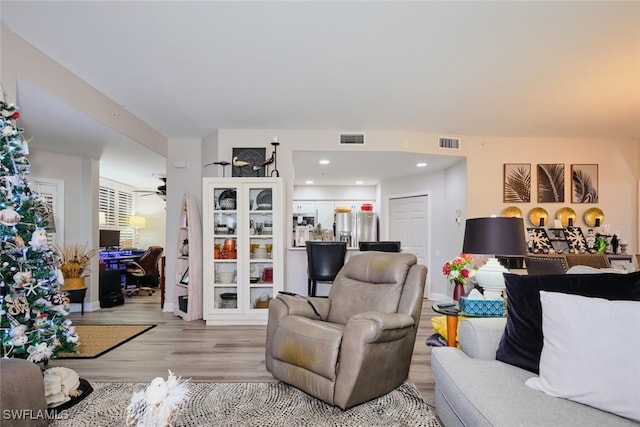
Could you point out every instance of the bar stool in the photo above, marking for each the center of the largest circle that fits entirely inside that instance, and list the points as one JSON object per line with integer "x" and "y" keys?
{"x": 324, "y": 261}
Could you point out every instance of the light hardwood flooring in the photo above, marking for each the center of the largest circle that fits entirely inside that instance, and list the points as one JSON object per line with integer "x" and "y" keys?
{"x": 202, "y": 353}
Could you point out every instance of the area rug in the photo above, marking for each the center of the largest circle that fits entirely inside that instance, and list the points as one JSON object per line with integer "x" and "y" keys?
{"x": 253, "y": 404}
{"x": 96, "y": 340}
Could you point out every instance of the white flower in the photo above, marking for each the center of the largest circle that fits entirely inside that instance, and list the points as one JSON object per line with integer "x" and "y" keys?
{"x": 7, "y": 131}
{"x": 39, "y": 352}
{"x": 22, "y": 277}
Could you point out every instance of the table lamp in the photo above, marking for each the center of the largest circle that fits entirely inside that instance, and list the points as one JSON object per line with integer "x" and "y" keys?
{"x": 494, "y": 236}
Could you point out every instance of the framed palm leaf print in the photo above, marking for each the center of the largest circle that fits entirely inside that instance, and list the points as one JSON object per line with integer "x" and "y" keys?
{"x": 584, "y": 183}
{"x": 550, "y": 183}
{"x": 517, "y": 183}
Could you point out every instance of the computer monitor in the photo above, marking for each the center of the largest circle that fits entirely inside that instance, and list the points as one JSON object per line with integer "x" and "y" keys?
{"x": 109, "y": 239}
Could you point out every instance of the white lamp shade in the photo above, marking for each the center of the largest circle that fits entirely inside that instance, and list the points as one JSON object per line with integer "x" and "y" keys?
{"x": 137, "y": 221}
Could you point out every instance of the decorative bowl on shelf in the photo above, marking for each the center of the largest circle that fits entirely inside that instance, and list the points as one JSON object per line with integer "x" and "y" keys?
{"x": 254, "y": 279}
{"x": 226, "y": 277}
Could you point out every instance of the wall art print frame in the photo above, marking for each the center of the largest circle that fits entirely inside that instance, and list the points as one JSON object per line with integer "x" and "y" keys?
{"x": 550, "y": 183}
{"x": 248, "y": 162}
{"x": 584, "y": 183}
{"x": 517, "y": 183}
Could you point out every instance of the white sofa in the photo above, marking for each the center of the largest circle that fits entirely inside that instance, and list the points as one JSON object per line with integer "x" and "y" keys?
{"x": 475, "y": 390}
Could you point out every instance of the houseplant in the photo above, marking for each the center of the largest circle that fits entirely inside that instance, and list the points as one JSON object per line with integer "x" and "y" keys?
{"x": 74, "y": 263}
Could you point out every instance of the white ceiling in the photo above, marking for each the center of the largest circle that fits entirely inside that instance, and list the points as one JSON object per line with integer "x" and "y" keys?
{"x": 498, "y": 68}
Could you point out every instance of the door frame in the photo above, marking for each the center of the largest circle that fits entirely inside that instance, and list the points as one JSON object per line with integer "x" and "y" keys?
{"x": 387, "y": 222}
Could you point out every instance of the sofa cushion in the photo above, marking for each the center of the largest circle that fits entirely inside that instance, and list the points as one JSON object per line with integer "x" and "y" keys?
{"x": 488, "y": 393}
{"x": 570, "y": 362}
{"x": 521, "y": 343}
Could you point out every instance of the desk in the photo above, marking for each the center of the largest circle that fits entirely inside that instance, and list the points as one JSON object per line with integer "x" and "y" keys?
{"x": 115, "y": 262}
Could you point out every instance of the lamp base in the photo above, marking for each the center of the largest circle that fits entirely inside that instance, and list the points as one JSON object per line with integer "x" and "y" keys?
{"x": 489, "y": 276}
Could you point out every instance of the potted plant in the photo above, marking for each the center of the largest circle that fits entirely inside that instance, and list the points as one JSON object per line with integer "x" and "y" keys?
{"x": 74, "y": 263}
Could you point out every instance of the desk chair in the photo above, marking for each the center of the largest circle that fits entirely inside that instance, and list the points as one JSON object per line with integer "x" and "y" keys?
{"x": 144, "y": 273}
{"x": 324, "y": 261}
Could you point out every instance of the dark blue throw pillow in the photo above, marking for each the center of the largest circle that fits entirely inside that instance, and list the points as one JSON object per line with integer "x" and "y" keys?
{"x": 521, "y": 343}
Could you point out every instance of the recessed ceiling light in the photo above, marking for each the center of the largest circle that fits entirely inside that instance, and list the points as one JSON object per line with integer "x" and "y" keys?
{"x": 308, "y": 182}
{"x": 421, "y": 164}
{"x": 324, "y": 162}
{"x": 359, "y": 182}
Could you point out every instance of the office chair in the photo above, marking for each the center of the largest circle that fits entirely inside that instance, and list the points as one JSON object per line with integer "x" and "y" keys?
{"x": 324, "y": 261}
{"x": 145, "y": 272}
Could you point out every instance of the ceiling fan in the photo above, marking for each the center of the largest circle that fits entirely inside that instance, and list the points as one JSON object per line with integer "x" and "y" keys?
{"x": 160, "y": 191}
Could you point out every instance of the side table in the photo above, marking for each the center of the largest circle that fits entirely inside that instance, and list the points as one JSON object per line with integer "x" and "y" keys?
{"x": 453, "y": 312}
{"x": 77, "y": 296}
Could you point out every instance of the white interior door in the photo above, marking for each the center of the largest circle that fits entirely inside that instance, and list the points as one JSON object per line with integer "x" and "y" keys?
{"x": 408, "y": 223}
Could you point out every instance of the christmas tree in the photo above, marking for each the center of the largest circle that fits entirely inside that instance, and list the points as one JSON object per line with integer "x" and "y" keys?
{"x": 33, "y": 309}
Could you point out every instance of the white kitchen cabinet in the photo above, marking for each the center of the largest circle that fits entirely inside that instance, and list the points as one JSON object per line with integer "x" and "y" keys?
{"x": 303, "y": 207}
{"x": 243, "y": 249}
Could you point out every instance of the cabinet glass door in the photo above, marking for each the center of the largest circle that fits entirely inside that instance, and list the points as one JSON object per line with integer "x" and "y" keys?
{"x": 225, "y": 247}
{"x": 260, "y": 250}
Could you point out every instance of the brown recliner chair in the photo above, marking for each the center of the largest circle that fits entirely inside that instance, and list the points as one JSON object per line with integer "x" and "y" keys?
{"x": 144, "y": 274}
{"x": 356, "y": 344}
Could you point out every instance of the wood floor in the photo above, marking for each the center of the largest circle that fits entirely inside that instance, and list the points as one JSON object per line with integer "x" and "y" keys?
{"x": 202, "y": 353}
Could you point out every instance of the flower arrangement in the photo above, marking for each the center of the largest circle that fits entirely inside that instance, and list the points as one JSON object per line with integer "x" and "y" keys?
{"x": 74, "y": 259}
{"x": 459, "y": 268}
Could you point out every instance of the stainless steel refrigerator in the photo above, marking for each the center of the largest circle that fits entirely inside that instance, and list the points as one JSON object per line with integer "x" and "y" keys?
{"x": 356, "y": 227}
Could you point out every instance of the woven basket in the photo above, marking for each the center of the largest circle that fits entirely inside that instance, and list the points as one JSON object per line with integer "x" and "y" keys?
{"x": 263, "y": 303}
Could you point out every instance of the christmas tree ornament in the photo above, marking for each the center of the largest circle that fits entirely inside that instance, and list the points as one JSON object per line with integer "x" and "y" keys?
{"x": 38, "y": 239}
{"x": 9, "y": 216}
{"x": 38, "y": 353}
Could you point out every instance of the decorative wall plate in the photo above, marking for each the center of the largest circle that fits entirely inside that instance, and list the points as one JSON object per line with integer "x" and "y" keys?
{"x": 536, "y": 214}
{"x": 564, "y": 214}
{"x": 512, "y": 212}
{"x": 590, "y": 216}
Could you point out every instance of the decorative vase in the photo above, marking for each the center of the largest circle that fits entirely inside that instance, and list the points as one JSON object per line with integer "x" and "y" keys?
{"x": 458, "y": 290}
{"x": 73, "y": 283}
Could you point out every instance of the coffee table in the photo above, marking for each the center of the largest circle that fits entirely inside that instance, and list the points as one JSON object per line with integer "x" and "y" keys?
{"x": 453, "y": 312}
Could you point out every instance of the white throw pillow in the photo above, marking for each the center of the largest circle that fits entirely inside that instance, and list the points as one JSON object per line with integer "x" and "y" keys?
{"x": 591, "y": 352}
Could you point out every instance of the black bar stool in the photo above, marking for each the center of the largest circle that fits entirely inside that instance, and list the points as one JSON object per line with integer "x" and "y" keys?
{"x": 324, "y": 261}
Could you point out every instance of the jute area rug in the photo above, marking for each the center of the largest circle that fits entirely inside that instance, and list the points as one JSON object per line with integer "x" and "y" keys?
{"x": 96, "y": 340}
{"x": 253, "y": 404}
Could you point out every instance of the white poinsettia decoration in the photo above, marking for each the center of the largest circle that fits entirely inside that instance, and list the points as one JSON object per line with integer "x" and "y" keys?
{"x": 39, "y": 352}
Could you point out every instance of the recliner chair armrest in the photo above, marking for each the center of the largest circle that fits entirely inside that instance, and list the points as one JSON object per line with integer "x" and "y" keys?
{"x": 302, "y": 306}
{"x": 380, "y": 327}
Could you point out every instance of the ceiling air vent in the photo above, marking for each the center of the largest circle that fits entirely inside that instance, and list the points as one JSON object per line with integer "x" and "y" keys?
{"x": 449, "y": 143}
{"x": 351, "y": 138}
